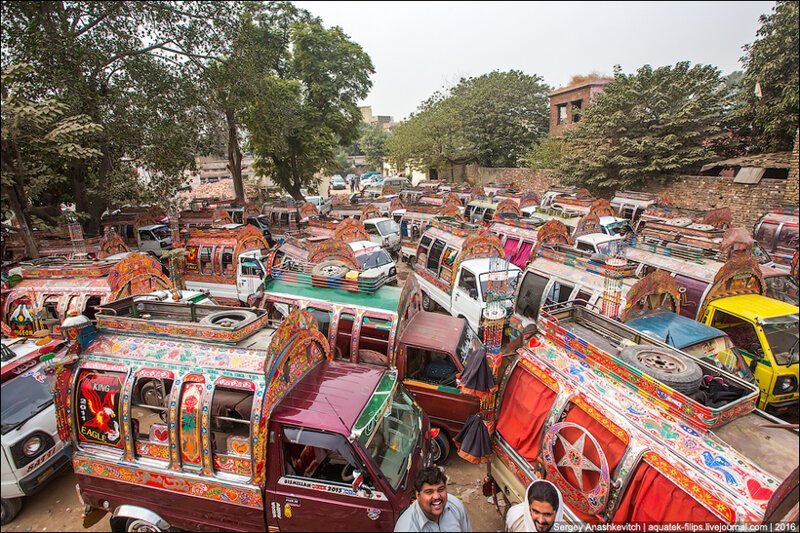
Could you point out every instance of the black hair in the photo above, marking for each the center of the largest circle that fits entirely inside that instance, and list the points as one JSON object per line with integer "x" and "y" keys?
{"x": 431, "y": 475}
{"x": 542, "y": 491}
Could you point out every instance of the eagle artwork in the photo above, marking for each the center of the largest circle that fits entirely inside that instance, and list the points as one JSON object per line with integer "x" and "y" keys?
{"x": 97, "y": 415}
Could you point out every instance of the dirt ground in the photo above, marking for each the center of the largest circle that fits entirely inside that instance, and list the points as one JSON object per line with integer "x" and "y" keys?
{"x": 56, "y": 507}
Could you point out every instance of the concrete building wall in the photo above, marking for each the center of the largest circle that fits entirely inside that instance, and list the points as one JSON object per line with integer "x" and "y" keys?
{"x": 791, "y": 195}
{"x": 568, "y": 98}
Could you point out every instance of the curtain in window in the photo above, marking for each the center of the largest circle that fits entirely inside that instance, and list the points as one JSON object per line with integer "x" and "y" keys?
{"x": 526, "y": 403}
{"x": 523, "y": 254}
{"x": 510, "y": 246}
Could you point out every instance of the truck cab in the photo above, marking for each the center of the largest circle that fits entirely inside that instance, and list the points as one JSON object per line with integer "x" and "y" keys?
{"x": 454, "y": 263}
{"x": 33, "y": 452}
{"x": 384, "y": 232}
{"x": 154, "y": 239}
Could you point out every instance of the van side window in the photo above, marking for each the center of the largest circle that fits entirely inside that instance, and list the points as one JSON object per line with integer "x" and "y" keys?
{"x": 742, "y": 333}
{"x": 372, "y": 229}
{"x": 326, "y": 457}
{"x": 97, "y": 397}
{"x": 435, "y": 255}
{"x": 226, "y": 262}
{"x": 559, "y": 292}
{"x": 343, "y": 336}
{"x": 530, "y": 295}
{"x": 468, "y": 284}
{"x": 231, "y": 411}
{"x": 375, "y": 339}
{"x": 149, "y": 417}
{"x": 204, "y": 257}
{"x": 323, "y": 319}
{"x": 430, "y": 366}
{"x": 251, "y": 267}
{"x": 585, "y": 246}
{"x": 145, "y": 235}
{"x": 130, "y": 233}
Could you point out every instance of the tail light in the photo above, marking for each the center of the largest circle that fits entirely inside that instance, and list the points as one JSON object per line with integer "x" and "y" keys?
{"x": 433, "y": 433}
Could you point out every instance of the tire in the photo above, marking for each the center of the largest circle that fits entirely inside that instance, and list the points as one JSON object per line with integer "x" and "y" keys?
{"x": 331, "y": 269}
{"x": 427, "y": 303}
{"x": 672, "y": 369}
{"x": 228, "y": 318}
{"x": 10, "y": 510}
{"x": 137, "y": 524}
{"x": 440, "y": 448}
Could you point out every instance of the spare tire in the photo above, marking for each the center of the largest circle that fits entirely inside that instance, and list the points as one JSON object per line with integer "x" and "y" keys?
{"x": 228, "y": 318}
{"x": 680, "y": 221}
{"x": 672, "y": 369}
{"x": 331, "y": 269}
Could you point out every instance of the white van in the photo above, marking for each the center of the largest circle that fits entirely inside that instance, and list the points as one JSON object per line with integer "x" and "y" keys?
{"x": 385, "y": 232}
{"x": 154, "y": 239}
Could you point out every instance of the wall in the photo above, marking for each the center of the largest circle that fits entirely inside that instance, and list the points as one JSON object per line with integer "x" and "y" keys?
{"x": 585, "y": 93}
{"x": 791, "y": 196}
{"x": 747, "y": 202}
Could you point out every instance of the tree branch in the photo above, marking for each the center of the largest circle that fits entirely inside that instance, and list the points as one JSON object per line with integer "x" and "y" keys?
{"x": 138, "y": 52}
{"x": 114, "y": 7}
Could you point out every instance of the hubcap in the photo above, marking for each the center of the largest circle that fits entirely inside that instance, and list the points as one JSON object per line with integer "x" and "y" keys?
{"x": 436, "y": 451}
{"x": 142, "y": 526}
{"x": 661, "y": 361}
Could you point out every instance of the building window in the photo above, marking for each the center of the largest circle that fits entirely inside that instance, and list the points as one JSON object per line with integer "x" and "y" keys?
{"x": 562, "y": 113}
{"x": 576, "y": 110}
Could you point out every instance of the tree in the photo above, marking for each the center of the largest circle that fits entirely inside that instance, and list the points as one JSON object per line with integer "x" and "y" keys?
{"x": 373, "y": 143}
{"x": 769, "y": 94}
{"x": 648, "y": 126}
{"x": 546, "y": 153}
{"x": 124, "y": 65}
{"x": 491, "y": 120}
{"x": 40, "y": 141}
{"x": 306, "y": 107}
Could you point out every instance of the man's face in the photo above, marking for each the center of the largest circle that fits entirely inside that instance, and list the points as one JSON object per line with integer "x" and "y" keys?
{"x": 432, "y": 499}
{"x": 543, "y": 515}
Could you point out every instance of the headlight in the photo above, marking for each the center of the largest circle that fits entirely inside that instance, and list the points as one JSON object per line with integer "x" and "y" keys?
{"x": 392, "y": 271}
{"x": 32, "y": 446}
{"x": 785, "y": 385}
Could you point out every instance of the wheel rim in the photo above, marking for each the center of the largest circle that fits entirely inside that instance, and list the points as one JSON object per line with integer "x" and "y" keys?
{"x": 143, "y": 526}
{"x": 426, "y": 301}
{"x": 436, "y": 451}
{"x": 661, "y": 361}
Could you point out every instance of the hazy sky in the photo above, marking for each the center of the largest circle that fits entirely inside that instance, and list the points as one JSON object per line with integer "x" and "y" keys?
{"x": 419, "y": 47}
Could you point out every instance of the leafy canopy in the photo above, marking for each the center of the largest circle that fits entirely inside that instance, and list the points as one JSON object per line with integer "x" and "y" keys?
{"x": 771, "y": 66}
{"x": 648, "y": 126}
{"x": 491, "y": 120}
{"x": 306, "y": 109}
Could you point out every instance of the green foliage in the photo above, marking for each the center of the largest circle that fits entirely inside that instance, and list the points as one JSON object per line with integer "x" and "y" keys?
{"x": 771, "y": 66}
{"x": 373, "y": 144}
{"x": 491, "y": 120}
{"x": 306, "y": 107}
{"x": 546, "y": 153}
{"x": 648, "y": 126}
{"x": 126, "y": 66}
{"x": 339, "y": 165}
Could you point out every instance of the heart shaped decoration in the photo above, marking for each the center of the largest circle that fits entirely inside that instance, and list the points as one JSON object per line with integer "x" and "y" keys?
{"x": 241, "y": 447}
{"x": 160, "y": 435}
{"x": 758, "y": 491}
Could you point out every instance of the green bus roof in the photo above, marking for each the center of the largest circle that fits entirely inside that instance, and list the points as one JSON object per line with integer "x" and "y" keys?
{"x": 385, "y": 298}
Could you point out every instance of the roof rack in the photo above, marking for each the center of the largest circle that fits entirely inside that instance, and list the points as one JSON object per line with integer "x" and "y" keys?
{"x": 302, "y": 273}
{"x": 591, "y": 263}
{"x": 461, "y": 229}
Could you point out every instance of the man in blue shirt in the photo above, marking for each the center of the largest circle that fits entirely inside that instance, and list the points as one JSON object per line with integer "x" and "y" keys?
{"x": 434, "y": 510}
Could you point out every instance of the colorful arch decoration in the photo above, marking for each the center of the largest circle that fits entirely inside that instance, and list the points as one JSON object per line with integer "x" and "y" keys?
{"x": 250, "y": 209}
{"x": 719, "y": 218}
{"x": 528, "y": 199}
{"x": 350, "y": 230}
{"x": 736, "y": 242}
{"x": 221, "y": 216}
{"x": 506, "y": 207}
{"x": 450, "y": 211}
{"x": 333, "y": 250}
{"x": 308, "y": 210}
{"x": 148, "y": 218}
{"x": 370, "y": 211}
{"x": 794, "y": 267}
{"x": 137, "y": 274}
{"x": 589, "y": 223}
{"x": 296, "y": 348}
{"x": 602, "y": 207}
{"x": 111, "y": 244}
{"x": 451, "y": 198}
{"x": 477, "y": 191}
{"x": 388, "y": 189}
{"x": 410, "y": 304}
{"x": 657, "y": 291}
{"x": 396, "y": 204}
{"x": 552, "y": 232}
{"x": 478, "y": 245}
{"x": 740, "y": 275}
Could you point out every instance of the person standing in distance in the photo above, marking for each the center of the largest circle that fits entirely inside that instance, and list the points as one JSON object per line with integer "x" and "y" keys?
{"x": 543, "y": 507}
{"x": 434, "y": 510}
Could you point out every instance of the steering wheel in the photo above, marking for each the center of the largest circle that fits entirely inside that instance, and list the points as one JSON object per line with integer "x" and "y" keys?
{"x": 347, "y": 473}
{"x": 451, "y": 379}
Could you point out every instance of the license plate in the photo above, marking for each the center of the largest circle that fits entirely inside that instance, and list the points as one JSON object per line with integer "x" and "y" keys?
{"x": 44, "y": 475}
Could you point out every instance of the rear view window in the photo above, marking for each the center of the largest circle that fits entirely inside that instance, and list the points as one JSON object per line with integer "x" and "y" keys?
{"x": 530, "y": 295}
{"x": 231, "y": 411}
{"x": 97, "y": 407}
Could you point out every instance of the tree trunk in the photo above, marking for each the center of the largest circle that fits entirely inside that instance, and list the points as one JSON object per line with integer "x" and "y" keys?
{"x": 77, "y": 173}
{"x": 17, "y": 203}
{"x": 99, "y": 203}
{"x": 235, "y": 157}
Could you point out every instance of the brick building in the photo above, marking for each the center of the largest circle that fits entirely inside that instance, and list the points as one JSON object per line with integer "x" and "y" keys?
{"x": 566, "y": 103}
